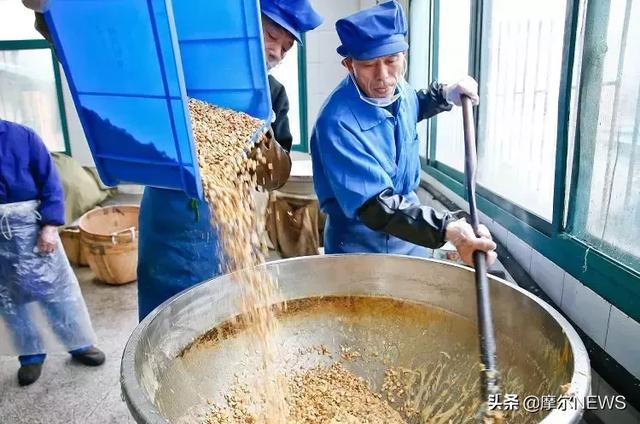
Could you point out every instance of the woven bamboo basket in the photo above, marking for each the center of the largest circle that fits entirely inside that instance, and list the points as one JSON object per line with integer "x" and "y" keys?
{"x": 109, "y": 237}
{"x": 72, "y": 246}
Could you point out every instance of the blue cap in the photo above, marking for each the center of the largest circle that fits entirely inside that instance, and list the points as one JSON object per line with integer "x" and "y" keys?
{"x": 374, "y": 32}
{"x": 296, "y": 16}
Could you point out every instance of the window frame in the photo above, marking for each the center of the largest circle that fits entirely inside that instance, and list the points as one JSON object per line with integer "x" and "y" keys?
{"x": 303, "y": 146}
{"x": 616, "y": 282}
{"x": 7, "y": 45}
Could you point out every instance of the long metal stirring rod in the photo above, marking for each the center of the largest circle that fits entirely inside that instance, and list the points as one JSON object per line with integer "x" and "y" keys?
{"x": 489, "y": 373}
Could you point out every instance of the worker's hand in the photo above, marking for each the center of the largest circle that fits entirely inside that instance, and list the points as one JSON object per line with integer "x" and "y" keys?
{"x": 48, "y": 239}
{"x": 461, "y": 235}
{"x": 274, "y": 163}
{"x": 466, "y": 86}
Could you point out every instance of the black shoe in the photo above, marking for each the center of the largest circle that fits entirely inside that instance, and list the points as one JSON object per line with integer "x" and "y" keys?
{"x": 29, "y": 374}
{"x": 92, "y": 357}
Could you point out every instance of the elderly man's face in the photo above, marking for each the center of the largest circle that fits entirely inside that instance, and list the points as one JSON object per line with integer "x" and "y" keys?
{"x": 377, "y": 77}
{"x": 277, "y": 41}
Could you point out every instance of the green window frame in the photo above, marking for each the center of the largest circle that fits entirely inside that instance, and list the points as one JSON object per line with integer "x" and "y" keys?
{"x": 303, "y": 146}
{"x": 45, "y": 45}
{"x": 616, "y": 282}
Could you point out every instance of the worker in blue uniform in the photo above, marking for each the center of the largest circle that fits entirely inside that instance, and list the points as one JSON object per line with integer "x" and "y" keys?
{"x": 177, "y": 245}
{"x": 35, "y": 276}
{"x": 365, "y": 147}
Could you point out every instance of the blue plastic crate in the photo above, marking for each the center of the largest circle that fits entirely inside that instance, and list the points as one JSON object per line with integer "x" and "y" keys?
{"x": 131, "y": 65}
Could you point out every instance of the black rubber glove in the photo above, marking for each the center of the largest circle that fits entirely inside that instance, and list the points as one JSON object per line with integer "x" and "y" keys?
{"x": 432, "y": 101}
{"x": 275, "y": 171}
{"x": 395, "y": 215}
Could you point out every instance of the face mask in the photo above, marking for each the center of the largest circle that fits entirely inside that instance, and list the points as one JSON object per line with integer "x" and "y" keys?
{"x": 376, "y": 101}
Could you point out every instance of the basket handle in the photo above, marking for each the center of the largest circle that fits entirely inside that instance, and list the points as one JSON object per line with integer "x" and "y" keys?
{"x": 114, "y": 235}
{"x": 73, "y": 229}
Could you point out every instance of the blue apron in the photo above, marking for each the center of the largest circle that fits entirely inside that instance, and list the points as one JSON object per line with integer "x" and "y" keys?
{"x": 359, "y": 150}
{"x": 177, "y": 247}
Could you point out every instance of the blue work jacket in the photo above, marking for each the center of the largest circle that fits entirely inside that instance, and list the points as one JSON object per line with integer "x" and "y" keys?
{"x": 27, "y": 172}
{"x": 358, "y": 151}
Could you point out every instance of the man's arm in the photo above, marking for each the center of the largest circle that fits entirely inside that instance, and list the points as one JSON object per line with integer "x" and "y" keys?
{"x": 394, "y": 215}
{"x": 424, "y": 226}
{"x": 50, "y": 193}
{"x": 43, "y": 171}
{"x": 280, "y": 106}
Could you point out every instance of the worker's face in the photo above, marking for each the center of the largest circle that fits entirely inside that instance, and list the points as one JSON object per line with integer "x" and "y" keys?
{"x": 277, "y": 42}
{"x": 377, "y": 77}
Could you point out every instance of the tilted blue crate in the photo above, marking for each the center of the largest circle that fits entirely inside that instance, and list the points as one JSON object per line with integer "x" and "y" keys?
{"x": 131, "y": 66}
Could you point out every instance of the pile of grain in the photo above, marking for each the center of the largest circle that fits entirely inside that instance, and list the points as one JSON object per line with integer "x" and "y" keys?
{"x": 223, "y": 140}
{"x": 335, "y": 395}
{"x": 321, "y": 395}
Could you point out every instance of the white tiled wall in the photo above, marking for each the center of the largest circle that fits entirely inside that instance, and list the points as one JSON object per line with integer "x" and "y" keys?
{"x": 499, "y": 233}
{"x": 324, "y": 68}
{"x": 520, "y": 250}
{"x": 549, "y": 276}
{"x": 588, "y": 310}
{"x": 615, "y": 332}
{"x": 623, "y": 340}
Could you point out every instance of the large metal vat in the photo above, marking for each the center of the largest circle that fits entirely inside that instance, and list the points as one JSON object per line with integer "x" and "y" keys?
{"x": 161, "y": 385}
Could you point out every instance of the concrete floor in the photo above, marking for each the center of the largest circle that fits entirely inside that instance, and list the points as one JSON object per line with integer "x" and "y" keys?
{"x": 68, "y": 392}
